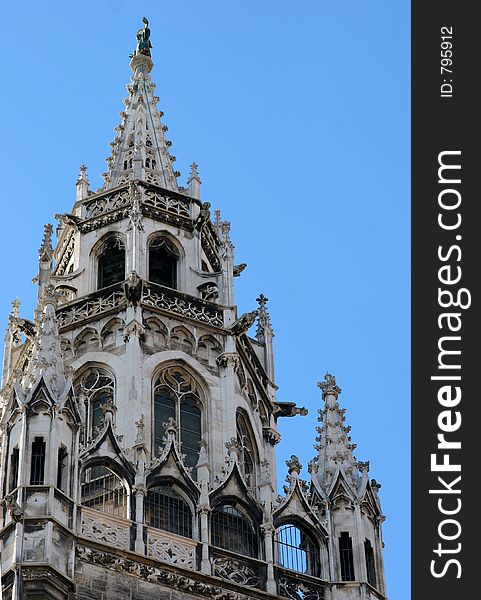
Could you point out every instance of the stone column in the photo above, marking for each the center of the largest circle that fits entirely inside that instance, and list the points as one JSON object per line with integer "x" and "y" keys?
{"x": 204, "y": 512}
{"x": 140, "y": 492}
{"x": 268, "y": 531}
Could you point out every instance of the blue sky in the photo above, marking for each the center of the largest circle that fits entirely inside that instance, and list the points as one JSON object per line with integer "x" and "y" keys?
{"x": 298, "y": 116}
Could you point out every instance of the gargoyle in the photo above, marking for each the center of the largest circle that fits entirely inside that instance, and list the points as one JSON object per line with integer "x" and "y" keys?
{"x": 15, "y": 510}
{"x": 69, "y": 219}
{"x": 239, "y": 268}
{"x": 133, "y": 288}
{"x": 244, "y": 323}
{"x": 27, "y": 327}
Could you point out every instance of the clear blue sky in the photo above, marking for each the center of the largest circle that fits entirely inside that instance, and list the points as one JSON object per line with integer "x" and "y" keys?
{"x": 298, "y": 115}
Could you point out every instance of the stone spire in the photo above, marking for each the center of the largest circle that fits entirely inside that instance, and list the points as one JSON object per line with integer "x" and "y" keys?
{"x": 82, "y": 183}
{"x": 47, "y": 360}
{"x": 45, "y": 259}
{"x": 194, "y": 181}
{"x": 335, "y": 451}
{"x": 264, "y": 335}
{"x": 141, "y": 150}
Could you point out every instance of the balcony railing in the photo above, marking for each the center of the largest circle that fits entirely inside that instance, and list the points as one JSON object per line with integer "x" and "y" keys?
{"x": 241, "y": 570}
{"x": 291, "y": 584}
{"x": 163, "y": 298}
{"x": 109, "y": 299}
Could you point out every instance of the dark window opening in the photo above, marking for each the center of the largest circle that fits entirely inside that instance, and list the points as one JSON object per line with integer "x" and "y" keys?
{"x": 190, "y": 431}
{"x": 296, "y": 551}
{"x": 163, "y": 263}
{"x": 37, "y": 470}
{"x": 13, "y": 479}
{"x": 346, "y": 557}
{"x": 111, "y": 264}
{"x": 205, "y": 266}
{"x": 232, "y": 531}
{"x": 62, "y": 469}
{"x": 165, "y": 509}
{"x": 101, "y": 489}
{"x": 370, "y": 565}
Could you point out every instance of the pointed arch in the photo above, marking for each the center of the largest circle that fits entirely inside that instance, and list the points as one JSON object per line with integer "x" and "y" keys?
{"x": 167, "y": 508}
{"x": 111, "y": 331}
{"x": 181, "y": 338}
{"x": 163, "y": 257}
{"x": 233, "y": 528}
{"x": 156, "y": 333}
{"x": 86, "y": 341}
{"x": 105, "y": 488}
{"x": 248, "y": 451}
{"x": 178, "y": 395}
{"x": 94, "y": 385}
{"x": 109, "y": 260}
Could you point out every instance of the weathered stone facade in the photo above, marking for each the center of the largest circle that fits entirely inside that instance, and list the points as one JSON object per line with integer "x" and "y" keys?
{"x": 139, "y": 419}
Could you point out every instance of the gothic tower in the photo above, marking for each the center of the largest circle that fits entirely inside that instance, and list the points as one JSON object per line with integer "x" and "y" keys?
{"x": 139, "y": 419}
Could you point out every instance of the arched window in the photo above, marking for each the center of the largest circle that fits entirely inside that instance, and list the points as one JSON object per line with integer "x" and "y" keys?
{"x": 176, "y": 396}
{"x": 163, "y": 258}
{"x": 247, "y": 452}
{"x": 233, "y": 530}
{"x": 166, "y": 509}
{"x": 296, "y": 550}
{"x": 96, "y": 387}
{"x": 103, "y": 490}
{"x": 111, "y": 263}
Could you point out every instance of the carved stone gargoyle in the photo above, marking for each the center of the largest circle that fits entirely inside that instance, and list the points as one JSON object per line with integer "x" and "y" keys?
{"x": 133, "y": 286}
{"x": 15, "y": 510}
{"x": 244, "y": 323}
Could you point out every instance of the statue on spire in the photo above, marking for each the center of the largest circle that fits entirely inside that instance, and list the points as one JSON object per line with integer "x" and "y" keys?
{"x": 143, "y": 40}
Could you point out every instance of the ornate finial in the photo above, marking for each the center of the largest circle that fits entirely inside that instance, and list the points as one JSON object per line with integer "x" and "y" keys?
{"x": 328, "y": 386}
{"x": 294, "y": 466}
{"x": 264, "y": 321}
{"x": 362, "y": 466}
{"x": 217, "y": 219}
{"x": 233, "y": 448}
{"x": 140, "y": 430}
{"x": 194, "y": 181}
{"x": 170, "y": 428}
{"x": 50, "y": 295}
{"x": 45, "y": 252}
{"x": 82, "y": 173}
{"x": 262, "y": 301}
{"x": 15, "y": 308}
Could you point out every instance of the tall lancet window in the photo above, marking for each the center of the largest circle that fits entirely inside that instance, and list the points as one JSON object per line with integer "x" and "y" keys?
{"x": 346, "y": 557}
{"x": 177, "y": 396}
{"x": 163, "y": 259}
{"x": 96, "y": 388}
{"x": 247, "y": 451}
{"x": 111, "y": 263}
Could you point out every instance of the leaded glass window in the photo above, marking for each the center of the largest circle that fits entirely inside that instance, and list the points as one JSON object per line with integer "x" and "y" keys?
{"x": 247, "y": 452}
{"x": 177, "y": 396}
{"x": 96, "y": 388}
